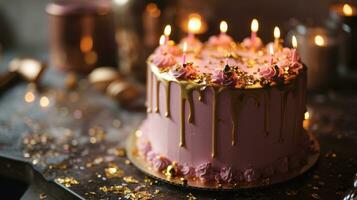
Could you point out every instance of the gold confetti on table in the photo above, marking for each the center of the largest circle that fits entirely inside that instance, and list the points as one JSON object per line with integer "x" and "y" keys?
{"x": 191, "y": 197}
{"x": 67, "y": 181}
{"x": 113, "y": 171}
{"x": 130, "y": 179}
{"x": 127, "y": 192}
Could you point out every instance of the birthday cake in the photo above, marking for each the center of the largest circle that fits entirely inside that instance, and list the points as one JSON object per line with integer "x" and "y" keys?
{"x": 224, "y": 112}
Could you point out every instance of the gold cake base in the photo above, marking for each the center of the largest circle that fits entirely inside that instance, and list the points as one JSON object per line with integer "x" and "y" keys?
{"x": 139, "y": 162}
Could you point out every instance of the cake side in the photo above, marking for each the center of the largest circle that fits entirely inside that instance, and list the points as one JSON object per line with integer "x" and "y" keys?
{"x": 227, "y": 128}
{"x": 222, "y": 110}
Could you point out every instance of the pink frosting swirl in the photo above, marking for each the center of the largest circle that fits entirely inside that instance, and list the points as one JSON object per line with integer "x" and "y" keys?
{"x": 170, "y": 49}
{"x": 225, "y": 77}
{"x": 267, "y": 72}
{"x": 205, "y": 172}
{"x": 295, "y": 67}
{"x": 183, "y": 72}
{"x": 226, "y": 174}
{"x": 247, "y": 43}
{"x": 220, "y": 40}
{"x": 160, "y": 163}
{"x": 163, "y": 60}
{"x": 186, "y": 171}
{"x": 250, "y": 175}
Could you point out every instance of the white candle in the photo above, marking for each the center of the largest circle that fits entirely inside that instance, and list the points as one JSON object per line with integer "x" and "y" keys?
{"x": 276, "y": 37}
{"x": 184, "y": 50}
{"x": 223, "y": 26}
{"x": 271, "y": 52}
{"x": 254, "y": 27}
{"x": 294, "y": 43}
{"x": 167, "y": 32}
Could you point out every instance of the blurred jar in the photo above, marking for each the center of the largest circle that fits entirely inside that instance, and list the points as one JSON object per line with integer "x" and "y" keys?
{"x": 82, "y": 35}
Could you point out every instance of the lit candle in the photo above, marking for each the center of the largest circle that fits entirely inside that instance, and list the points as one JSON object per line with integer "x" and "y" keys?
{"x": 276, "y": 37}
{"x": 254, "y": 28}
{"x": 319, "y": 40}
{"x": 223, "y": 26}
{"x": 271, "y": 52}
{"x": 162, "y": 42}
{"x": 184, "y": 50}
{"x": 167, "y": 32}
{"x": 194, "y": 25}
{"x": 347, "y": 10}
{"x": 294, "y": 43}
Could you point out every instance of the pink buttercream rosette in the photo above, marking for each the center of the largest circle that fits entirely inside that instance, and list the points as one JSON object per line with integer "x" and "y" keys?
{"x": 222, "y": 40}
{"x": 183, "y": 72}
{"x": 170, "y": 49}
{"x": 162, "y": 60}
{"x": 228, "y": 79}
{"x": 247, "y": 43}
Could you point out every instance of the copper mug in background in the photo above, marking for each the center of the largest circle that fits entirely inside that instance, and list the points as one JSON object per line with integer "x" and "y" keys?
{"x": 82, "y": 35}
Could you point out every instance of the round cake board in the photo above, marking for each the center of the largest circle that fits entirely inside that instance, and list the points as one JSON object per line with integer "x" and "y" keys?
{"x": 139, "y": 162}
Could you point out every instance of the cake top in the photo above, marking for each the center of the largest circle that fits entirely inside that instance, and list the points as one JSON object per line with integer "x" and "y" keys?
{"x": 221, "y": 61}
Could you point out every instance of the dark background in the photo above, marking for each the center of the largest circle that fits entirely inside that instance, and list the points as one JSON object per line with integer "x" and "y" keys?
{"x": 23, "y": 23}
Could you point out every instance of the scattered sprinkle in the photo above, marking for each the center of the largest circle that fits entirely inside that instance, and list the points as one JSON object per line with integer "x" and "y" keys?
{"x": 67, "y": 181}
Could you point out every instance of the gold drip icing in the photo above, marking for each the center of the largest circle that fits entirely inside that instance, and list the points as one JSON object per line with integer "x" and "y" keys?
{"x": 200, "y": 95}
{"x": 236, "y": 107}
{"x": 238, "y": 100}
{"x": 182, "y": 122}
{"x": 157, "y": 108}
{"x": 266, "y": 111}
{"x": 191, "y": 115}
{"x": 167, "y": 85}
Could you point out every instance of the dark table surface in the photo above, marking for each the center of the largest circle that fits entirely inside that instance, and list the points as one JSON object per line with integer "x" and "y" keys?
{"x": 73, "y": 147}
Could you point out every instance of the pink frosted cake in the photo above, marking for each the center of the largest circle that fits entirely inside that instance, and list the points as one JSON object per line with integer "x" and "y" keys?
{"x": 224, "y": 112}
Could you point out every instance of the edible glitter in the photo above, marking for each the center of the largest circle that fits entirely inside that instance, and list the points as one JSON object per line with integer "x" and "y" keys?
{"x": 67, "y": 181}
{"x": 130, "y": 179}
{"x": 113, "y": 171}
{"x": 191, "y": 197}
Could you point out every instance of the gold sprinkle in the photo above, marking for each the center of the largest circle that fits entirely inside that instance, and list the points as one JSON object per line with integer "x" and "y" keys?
{"x": 43, "y": 196}
{"x": 148, "y": 180}
{"x": 67, "y": 181}
{"x": 191, "y": 197}
{"x": 113, "y": 171}
{"x": 130, "y": 179}
{"x": 127, "y": 192}
{"x": 127, "y": 162}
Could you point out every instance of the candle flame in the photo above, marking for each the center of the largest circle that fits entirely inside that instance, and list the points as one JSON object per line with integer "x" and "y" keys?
{"x": 307, "y": 115}
{"x": 319, "y": 40}
{"x": 271, "y": 50}
{"x": 167, "y": 30}
{"x": 184, "y": 49}
{"x": 294, "y": 42}
{"x": 29, "y": 97}
{"x": 44, "y": 101}
{"x": 276, "y": 32}
{"x": 223, "y": 26}
{"x": 347, "y": 10}
{"x": 162, "y": 40}
{"x": 254, "y": 27}
{"x": 194, "y": 23}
